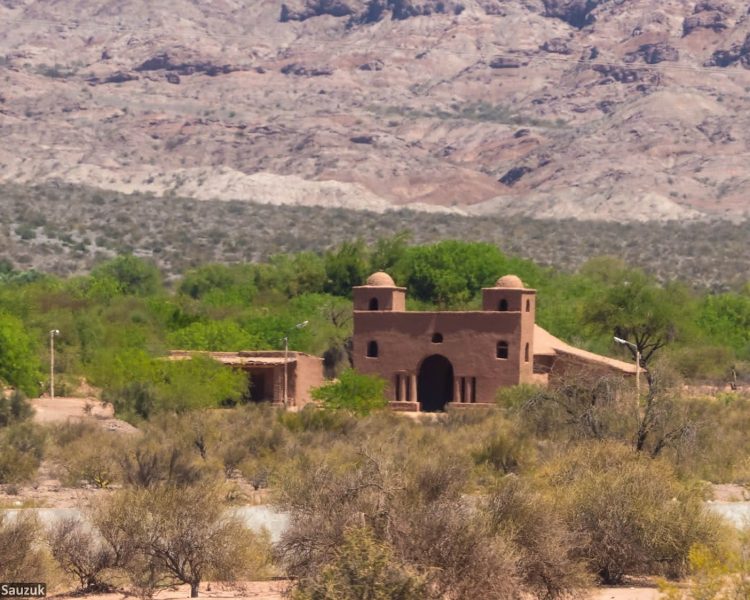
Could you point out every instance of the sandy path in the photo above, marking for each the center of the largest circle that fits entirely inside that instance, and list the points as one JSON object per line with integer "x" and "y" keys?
{"x": 57, "y": 410}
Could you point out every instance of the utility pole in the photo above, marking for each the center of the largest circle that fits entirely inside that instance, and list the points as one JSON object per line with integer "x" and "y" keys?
{"x": 52, "y": 335}
{"x": 286, "y": 360}
{"x": 637, "y": 363}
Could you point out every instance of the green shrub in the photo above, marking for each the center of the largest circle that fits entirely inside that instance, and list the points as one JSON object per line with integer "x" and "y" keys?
{"x": 356, "y": 393}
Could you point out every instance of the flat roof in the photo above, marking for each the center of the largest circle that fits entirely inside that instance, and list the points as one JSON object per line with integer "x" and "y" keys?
{"x": 260, "y": 358}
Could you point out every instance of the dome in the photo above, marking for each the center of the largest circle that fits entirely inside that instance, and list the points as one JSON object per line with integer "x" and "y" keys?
{"x": 380, "y": 279}
{"x": 509, "y": 281}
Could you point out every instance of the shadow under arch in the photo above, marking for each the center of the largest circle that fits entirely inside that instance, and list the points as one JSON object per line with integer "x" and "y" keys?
{"x": 435, "y": 383}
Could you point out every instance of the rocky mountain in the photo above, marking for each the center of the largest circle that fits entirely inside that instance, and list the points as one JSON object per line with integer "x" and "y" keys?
{"x": 588, "y": 109}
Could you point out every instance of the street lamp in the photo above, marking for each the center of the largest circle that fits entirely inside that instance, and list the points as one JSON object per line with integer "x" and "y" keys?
{"x": 52, "y": 335}
{"x": 637, "y": 362}
{"x": 286, "y": 359}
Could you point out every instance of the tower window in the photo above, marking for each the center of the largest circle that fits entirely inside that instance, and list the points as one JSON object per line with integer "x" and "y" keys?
{"x": 503, "y": 306}
{"x": 372, "y": 349}
{"x": 502, "y": 350}
{"x": 374, "y": 304}
{"x": 526, "y": 352}
{"x": 528, "y": 305}
{"x": 437, "y": 338}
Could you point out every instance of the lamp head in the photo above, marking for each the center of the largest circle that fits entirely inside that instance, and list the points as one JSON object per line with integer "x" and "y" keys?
{"x": 621, "y": 341}
{"x": 302, "y": 325}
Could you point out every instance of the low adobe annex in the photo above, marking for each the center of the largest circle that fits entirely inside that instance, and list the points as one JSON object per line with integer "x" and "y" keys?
{"x": 435, "y": 358}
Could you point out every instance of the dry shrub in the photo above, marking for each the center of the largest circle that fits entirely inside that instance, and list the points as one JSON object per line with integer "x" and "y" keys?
{"x": 504, "y": 449}
{"x": 21, "y": 452}
{"x": 176, "y": 450}
{"x": 545, "y": 547}
{"x": 363, "y": 567}
{"x": 166, "y": 535}
{"x": 579, "y": 406}
{"x": 82, "y": 554}
{"x": 632, "y": 514}
{"x": 149, "y": 464}
{"x": 21, "y": 555}
{"x": 91, "y": 459}
{"x": 410, "y": 499}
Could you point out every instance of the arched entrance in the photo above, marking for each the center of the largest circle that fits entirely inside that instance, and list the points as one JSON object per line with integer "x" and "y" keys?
{"x": 435, "y": 383}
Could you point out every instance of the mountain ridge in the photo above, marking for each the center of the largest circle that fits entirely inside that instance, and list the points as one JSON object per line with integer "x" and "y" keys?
{"x": 595, "y": 110}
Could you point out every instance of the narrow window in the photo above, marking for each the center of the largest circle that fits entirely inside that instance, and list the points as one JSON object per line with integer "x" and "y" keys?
{"x": 372, "y": 349}
{"x": 503, "y": 306}
{"x": 374, "y": 304}
{"x": 473, "y": 390}
{"x": 462, "y": 389}
{"x": 526, "y": 352}
{"x": 528, "y": 305}
{"x": 502, "y": 350}
{"x": 437, "y": 338}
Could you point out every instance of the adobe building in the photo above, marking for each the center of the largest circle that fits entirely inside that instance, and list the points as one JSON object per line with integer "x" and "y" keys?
{"x": 265, "y": 372}
{"x": 433, "y": 359}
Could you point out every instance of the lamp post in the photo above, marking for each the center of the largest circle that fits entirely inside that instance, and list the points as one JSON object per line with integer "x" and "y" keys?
{"x": 52, "y": 335}
{"x": 286, "y": 359}
{"x": 637, "y": 362}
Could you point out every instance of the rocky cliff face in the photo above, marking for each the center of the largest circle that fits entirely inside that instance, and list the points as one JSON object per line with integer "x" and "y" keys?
{"x": 591, "y": 109}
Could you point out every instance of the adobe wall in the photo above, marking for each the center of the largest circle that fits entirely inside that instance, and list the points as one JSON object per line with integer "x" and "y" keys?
{"x": 307, "y": 374}
{"x": 469, "y": 342}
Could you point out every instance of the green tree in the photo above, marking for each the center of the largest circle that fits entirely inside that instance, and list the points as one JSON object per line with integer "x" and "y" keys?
{"x": 212, "y": 335}
{"x": 346, "y": 267}
{"x": 200, "y": 382}
{"x": 360, "y": 394}
{"x": 220, "y": 285}
{"x": 133, "y": 276}
{"x": 452, "y": 272}
{"x": 634, "y": 307}
{"x": 726, "y": 318}
{"x": 139, "y": 385}
{"x": 19, "y": 362}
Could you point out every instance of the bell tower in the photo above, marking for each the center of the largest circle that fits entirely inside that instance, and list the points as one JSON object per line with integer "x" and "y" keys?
{"x": 380, "y": 293}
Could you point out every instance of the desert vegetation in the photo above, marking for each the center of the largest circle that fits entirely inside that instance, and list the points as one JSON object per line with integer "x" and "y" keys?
{"x": 548, "y": 493}
{"x": 501, "y": 502}
{"x": 67, "y": 230}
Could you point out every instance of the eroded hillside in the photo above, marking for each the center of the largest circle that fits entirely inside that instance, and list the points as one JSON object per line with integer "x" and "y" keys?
{"x": 609, "y": 109}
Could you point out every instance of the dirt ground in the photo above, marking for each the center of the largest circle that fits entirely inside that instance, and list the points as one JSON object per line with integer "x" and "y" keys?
{"x": 274, "y": 590}
{"x": 256, "y": 590}
{"x": 56, "y": 410}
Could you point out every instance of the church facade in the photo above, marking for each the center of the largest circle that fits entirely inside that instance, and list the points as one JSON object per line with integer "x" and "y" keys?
{"x": 432, "y": 359}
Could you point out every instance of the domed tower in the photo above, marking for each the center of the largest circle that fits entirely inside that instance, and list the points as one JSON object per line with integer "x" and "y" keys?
{"x": 511, "y": 296}
{"x": 380, "y": 293}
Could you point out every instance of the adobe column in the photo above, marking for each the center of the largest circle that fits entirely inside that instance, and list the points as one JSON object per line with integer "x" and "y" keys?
{"x": 456, "y": 390}
{"x": 413, "y": 388}
{"x": 468, "y": 389}
{"x": 402, "y": 387}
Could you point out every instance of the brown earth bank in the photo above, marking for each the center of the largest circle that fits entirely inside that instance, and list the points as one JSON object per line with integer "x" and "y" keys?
{"x": 610, "y": 110}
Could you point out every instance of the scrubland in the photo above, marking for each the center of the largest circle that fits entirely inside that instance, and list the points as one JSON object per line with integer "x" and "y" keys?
{"x": 546, "y": 494}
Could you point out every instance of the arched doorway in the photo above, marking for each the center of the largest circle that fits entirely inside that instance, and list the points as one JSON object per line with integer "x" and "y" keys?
{"x": 435, "y": 383}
